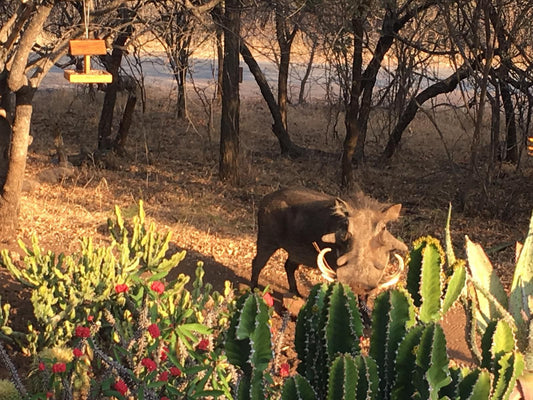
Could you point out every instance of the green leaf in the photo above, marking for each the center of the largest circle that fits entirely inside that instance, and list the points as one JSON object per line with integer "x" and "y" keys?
{"x": 455, "y": 287}
{"x": 521, "y": 294}
{"x": 484, "y": 275}
{"x": 450, "y": 255}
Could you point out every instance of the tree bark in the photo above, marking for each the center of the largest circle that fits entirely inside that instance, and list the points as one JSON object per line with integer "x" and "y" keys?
{"x": 17, "y": 82}
{"x": 445, "y": 86}
{"x": 106, "y": 117}
{"x": 12, "y": 188}
{"x": 229, "y": 126}
{"x": 303, "y": 83}
{"x": 125, "y": 123}
{"x": 285, "y": 40}
{"x": 351, "y": 121}
{"x": 286, "y": 145}
{"x": 216, "y": 14}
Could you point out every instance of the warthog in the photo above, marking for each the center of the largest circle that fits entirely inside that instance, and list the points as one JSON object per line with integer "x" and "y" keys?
{"x": 303, "y": 221}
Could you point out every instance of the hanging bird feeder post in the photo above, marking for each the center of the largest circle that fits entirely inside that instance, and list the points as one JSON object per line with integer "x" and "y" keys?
{"x": 88, "y": 48}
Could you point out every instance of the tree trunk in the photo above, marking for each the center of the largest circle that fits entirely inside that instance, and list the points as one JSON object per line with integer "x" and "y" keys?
{"x": 216, "y": 13}
{"x": 229, "y": 126}
{"x": 511, "y": 142}
{"x": 181, "y": 76}
{"x": 5, "y": 144}
{"x": 445, "y": 86}
{"x": 351, "y": 120}
{"x": 124, "y": 128}
{"x": 17, "y": 82}
{"x": 10, "y": 192}
{"x": 303, "y": 83}
{"x": 106, "y": 117}
{"x": 285, "y": 143}
{"x": 285, "y": 40}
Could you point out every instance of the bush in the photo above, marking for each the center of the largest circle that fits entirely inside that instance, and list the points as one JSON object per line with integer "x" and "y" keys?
{"x": 108, "y": 316}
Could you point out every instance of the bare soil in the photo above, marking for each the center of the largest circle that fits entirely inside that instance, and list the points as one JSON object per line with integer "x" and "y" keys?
{"x": 172, "y": 165}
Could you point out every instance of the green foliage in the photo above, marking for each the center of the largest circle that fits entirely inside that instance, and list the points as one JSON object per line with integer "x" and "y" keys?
{"x": 112, "y": 312}
{"x": 489, "y": 302}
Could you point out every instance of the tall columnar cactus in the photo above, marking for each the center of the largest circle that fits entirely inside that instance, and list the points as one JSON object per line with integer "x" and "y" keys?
{"x": 433, "y": 287}
{"x": 248, "y": 345}
{"x": 333, "y": 311}
{"x": 393, "y": 315}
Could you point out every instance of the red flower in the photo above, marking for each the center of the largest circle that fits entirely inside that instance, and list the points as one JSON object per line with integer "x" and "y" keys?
{"x": 203, "y": 345}
{"x": 158, "y": 287}
{"x": 154, "y": 331}
{"x": 90, "y": 318}
{"x": 49, "y": 395}
{"x": 121, "y": 288}
{"x": 164, "y": 398}
{"x": 284, "y": 370}
{"x": 77, "y": 352}
{"x": 121, "y": 387}
{"x": 269, "y": 300}
{"x": 42, "y": 367}
{"x": 149, "y": 364}
{"x": 82, "y": 331}
{"x": 59, "y": 367}
{"x": 164, "y": 353}
{"x": 175, "y": 371}
{"x": 163, "y": 376}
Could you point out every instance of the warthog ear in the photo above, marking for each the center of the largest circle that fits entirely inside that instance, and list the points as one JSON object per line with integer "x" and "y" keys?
{"x": 329, "y": 238}
{"x": 341, "y": 208}
{"x": 392, "y": 213}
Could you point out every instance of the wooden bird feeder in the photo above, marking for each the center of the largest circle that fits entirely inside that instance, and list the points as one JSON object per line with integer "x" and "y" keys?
{"x": 87, "y": 48}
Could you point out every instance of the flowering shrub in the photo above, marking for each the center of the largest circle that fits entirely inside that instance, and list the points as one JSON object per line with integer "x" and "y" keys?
{"x": 121, "y": 327}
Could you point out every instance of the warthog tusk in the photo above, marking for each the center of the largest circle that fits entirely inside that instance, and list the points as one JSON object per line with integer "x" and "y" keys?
{"x": 323, "y": 266}
{"x": 396, "y": 277}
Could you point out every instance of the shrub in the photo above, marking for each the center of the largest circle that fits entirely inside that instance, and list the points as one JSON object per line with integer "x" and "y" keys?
{"x": 122, "y": 325}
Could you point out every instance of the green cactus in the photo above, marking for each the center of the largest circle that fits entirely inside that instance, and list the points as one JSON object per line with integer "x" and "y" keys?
{"x": 433, "y": 287}
{"x": 331, "y": 309}
{"x": 5, "y": 329}
{"x": 352, "y": 378}
{"x": 248, "y": 345}
{"x": 297, "y": 388}
{"x": 66, "y": 289}
{"x": 489, "y": 301}
{"x": 392, "y": 316}
{"x": 8, "y": 390}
